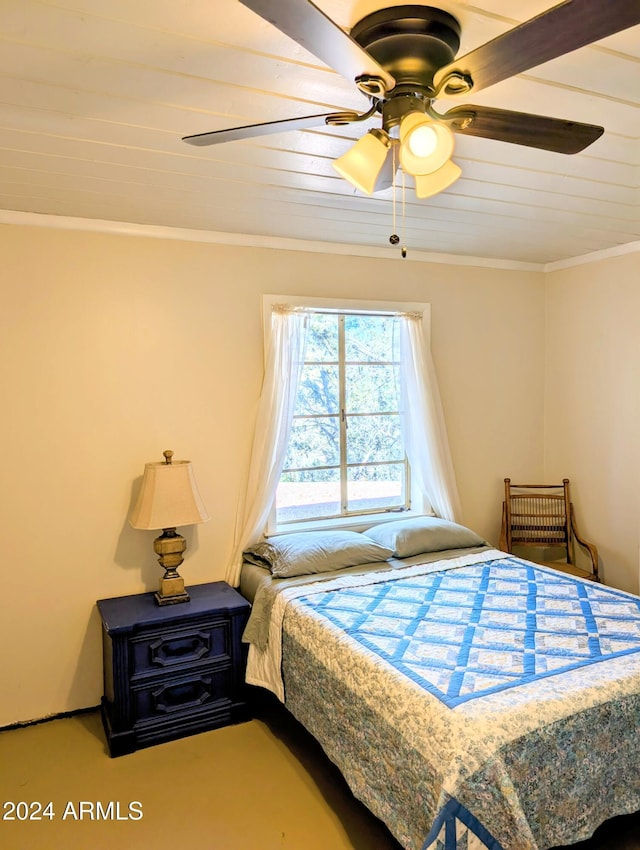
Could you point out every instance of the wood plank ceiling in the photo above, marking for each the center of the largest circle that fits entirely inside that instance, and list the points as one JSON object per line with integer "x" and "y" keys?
{"x": 96, "y": 94}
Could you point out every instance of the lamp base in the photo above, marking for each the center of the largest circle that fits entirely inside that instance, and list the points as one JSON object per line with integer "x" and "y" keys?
{"x": 170, "y": 546}
{"x": 171, "y": 591}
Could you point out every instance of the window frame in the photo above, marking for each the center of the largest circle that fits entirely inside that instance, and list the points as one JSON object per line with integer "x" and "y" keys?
{"x": 342, "y": 307}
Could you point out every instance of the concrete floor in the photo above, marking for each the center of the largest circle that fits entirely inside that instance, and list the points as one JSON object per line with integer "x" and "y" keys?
{"x": 261, "y": 785}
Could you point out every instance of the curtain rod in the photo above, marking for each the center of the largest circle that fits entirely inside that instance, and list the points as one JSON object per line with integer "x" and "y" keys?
{"x": 346, "y": 312}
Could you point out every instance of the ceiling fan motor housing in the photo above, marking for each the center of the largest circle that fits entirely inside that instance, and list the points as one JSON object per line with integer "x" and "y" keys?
{"x": 411, "y": 43}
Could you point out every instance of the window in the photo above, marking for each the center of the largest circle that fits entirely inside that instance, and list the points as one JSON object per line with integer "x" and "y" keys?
{"x": 349, "y": 433}
{"x": 346, "y": 453}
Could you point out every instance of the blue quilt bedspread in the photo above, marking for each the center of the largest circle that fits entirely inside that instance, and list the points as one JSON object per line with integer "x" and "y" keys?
{"x": 465, "y": 633}
{"x": 483, "y": 704}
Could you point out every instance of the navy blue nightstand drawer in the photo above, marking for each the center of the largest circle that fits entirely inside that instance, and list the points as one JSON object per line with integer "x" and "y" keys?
{"x": 167, "y": 649}
{"x": 181, "y": 695}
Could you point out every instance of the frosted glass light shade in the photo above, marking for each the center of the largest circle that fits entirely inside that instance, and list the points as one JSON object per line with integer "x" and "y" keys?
{"x": 430, "y": 184}
{"x": 169, "y": 497}
{"x": 425, "y": 145}
{"x": 364, "y": 163}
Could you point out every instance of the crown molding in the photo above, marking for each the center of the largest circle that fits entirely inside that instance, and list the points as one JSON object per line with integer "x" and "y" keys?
{"x": 248, "y": 240}
{"x": 253, "y": 241}
{"x": 594, "y": 257}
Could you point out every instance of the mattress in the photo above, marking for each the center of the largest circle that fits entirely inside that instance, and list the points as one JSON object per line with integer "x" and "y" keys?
{"x": 251, "y": 577}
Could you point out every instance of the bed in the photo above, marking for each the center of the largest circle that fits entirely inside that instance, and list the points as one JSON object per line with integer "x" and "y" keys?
{"x": 471, "y": 699}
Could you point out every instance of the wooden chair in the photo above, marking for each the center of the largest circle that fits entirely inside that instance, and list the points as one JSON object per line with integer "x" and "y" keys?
{"x": 541, "y": 516}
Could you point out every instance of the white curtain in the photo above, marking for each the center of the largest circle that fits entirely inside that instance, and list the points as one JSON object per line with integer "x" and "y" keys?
{"x": 422, "y": 419}
{"x": 273, "y": 425}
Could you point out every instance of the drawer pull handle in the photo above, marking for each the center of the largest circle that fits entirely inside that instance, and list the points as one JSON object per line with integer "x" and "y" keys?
{"x": 173, "y": 650}
{"x": 170, "y": 698}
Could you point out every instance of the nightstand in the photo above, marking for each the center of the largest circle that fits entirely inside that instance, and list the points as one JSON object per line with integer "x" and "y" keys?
{"x": 171, "y": 671}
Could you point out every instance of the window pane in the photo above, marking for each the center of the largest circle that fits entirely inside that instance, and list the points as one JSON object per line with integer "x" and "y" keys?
{"x": 371, "y": 338}
{"x": 337, "y": 465}
{"x": 371, "y": 388}
{"x": 314, "y": 442}
{"x": 311, "y": 494}
{"x": 318, "y": 391}
{"x": 374, "y": 438}
{"x": 371, "y": 487}
{"x": 322, "y": 338}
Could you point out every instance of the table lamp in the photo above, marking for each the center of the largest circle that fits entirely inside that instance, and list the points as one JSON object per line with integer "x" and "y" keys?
{"x": 169, "y": 497}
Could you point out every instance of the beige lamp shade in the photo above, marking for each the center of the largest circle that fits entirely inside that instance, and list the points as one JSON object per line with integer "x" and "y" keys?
{"x": 168, "y": 497}
{"x": 430, "y": 184}
{"x": 364, "y": 163}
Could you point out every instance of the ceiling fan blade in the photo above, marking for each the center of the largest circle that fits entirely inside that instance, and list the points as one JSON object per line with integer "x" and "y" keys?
{"x": 557, "y": 31}
{"x": 522, "y": 128}
{"x": 315, "y": 31}
{"x": 216, "y": 137}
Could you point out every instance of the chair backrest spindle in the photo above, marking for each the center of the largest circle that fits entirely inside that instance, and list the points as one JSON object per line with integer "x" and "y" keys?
{"x": 541, "y": 516}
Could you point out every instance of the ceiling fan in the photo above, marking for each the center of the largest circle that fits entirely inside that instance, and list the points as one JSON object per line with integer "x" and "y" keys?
{"x": 403, "y": 59}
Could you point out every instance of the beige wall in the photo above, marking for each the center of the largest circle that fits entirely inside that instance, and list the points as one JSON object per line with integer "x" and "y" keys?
{"x": 114, "y": 348}
{"x": 592, "y": 412}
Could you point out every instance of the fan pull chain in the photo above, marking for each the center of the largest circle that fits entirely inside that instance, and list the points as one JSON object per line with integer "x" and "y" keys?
{"x": 403, "y": 249}
{"x": 394, "y": 238}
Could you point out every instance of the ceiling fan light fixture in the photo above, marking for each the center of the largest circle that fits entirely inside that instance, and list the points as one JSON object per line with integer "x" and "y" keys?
{"x": 425, "y": 145}
{"x": 431, "y": 184}
{"x": 364, "y": 164}
{"x": 423, "y": 141}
